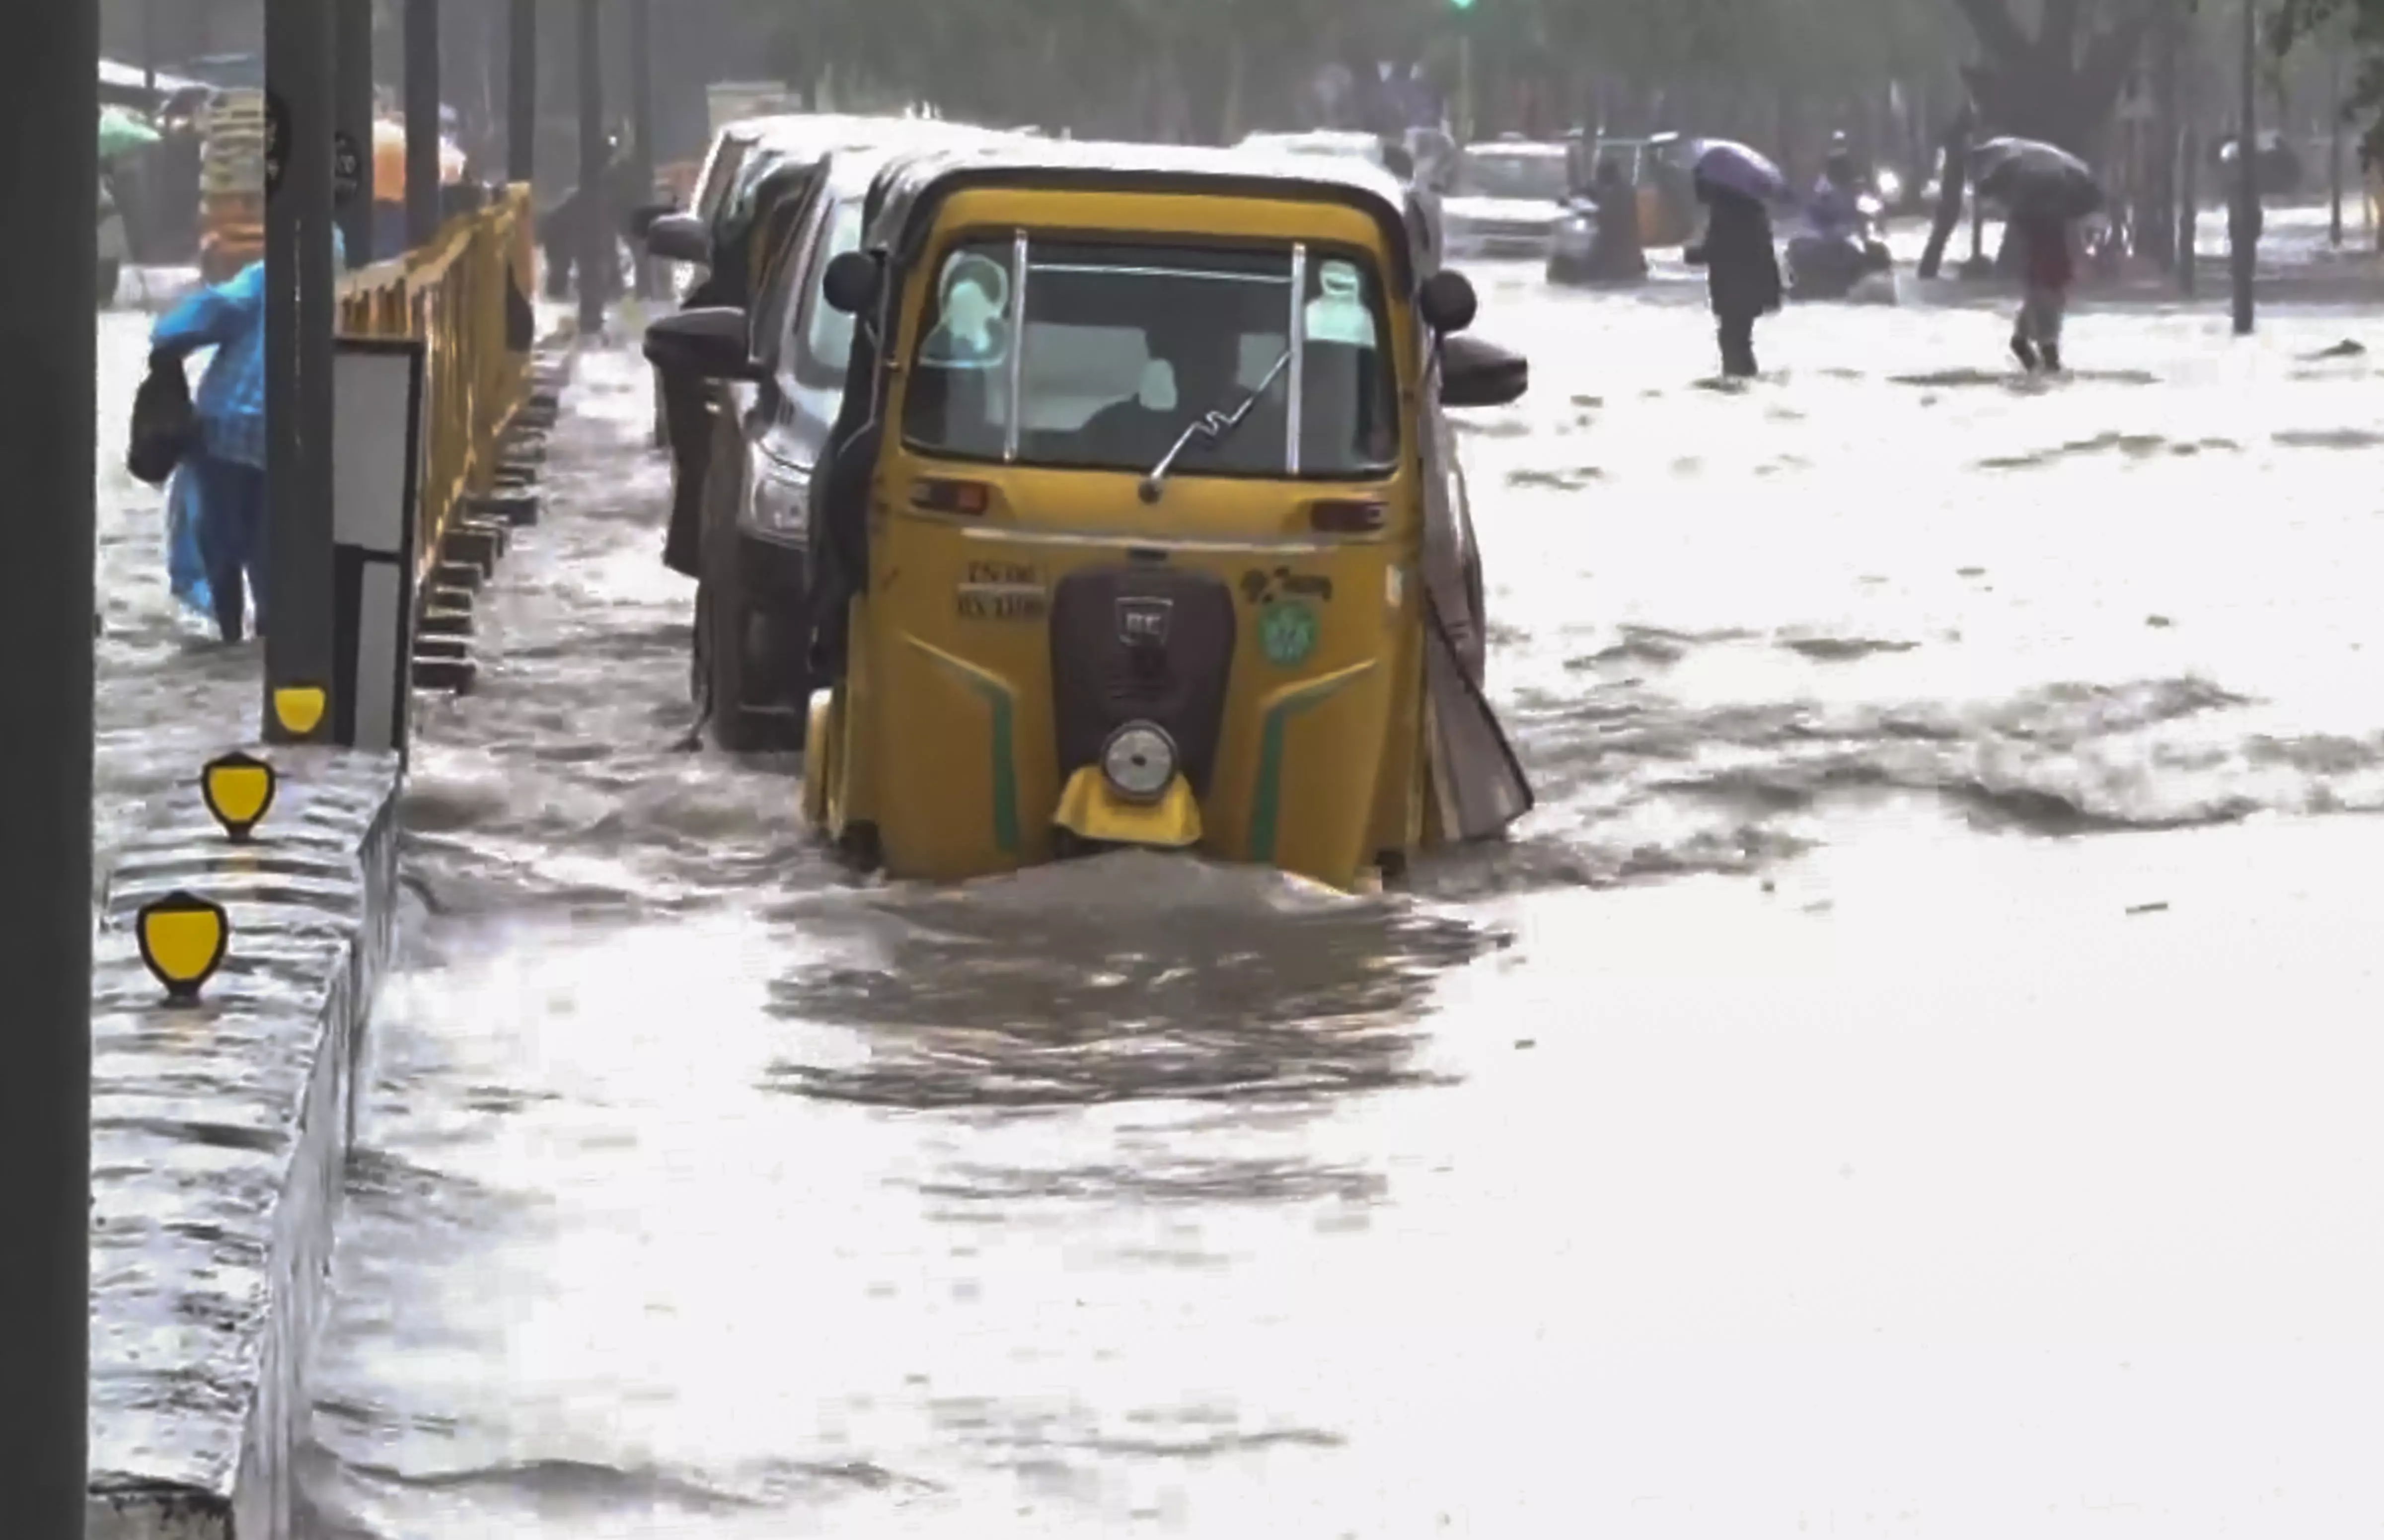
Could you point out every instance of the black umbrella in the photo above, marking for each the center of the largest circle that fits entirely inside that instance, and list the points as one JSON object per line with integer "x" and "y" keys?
{"x": 2030, "y": 175}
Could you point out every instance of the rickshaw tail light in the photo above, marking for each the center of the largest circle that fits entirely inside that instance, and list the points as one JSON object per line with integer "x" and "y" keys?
{"x": 968, "y": 498}
{"x": 1345, "y": 517}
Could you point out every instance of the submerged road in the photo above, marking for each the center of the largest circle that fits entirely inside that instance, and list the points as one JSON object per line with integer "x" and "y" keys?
{"x": 1913, "y": 1074}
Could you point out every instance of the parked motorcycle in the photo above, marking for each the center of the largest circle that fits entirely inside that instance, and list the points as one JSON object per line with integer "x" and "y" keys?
{"x": 1583, "y": 251}
{"x": 1833, "y": 265}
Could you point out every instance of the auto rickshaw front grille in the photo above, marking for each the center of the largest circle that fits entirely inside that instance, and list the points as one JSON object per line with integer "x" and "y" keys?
{"x": 1141, "y": 643}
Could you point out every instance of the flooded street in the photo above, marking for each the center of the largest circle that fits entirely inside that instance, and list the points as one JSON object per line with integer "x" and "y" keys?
{"x": 1912, "y": 1074}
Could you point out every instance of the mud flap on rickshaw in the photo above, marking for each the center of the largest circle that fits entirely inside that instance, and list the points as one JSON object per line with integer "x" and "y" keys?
{"x": 1091, "y": 815}
{"x": 1478, "y": 785}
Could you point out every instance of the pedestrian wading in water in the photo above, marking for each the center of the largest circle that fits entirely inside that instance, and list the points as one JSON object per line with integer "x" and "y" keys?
{"x": 2048, "y": 265}
{"x": 1742, "y": 272}
{"x": 218, "y": 489}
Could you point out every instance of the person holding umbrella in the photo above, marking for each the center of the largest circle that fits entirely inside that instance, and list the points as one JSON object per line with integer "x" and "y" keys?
{"x": 2048, "y": 191}
{"x": 2043, "y": 233}
{"x": 1741, "y": 262}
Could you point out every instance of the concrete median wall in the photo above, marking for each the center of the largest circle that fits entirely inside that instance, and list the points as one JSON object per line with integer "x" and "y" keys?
{"x": 219, "y": 1135}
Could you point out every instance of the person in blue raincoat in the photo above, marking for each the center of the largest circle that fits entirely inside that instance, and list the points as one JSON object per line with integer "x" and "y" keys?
{"x": 186, "y": 569}
{"x": 216, "y": 503}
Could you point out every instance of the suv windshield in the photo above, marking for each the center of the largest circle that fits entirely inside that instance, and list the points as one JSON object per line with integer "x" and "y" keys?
{"x": 1487, "y": 174}
{"x": 1126, "y": 344}
{"x": 822, "y": 339}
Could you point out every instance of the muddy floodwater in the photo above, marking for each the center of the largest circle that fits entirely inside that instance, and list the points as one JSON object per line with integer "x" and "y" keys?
{"x": 1914, "y": 1074}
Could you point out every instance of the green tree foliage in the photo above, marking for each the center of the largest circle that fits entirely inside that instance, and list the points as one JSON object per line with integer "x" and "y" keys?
{"x": 2059, "y": 73}
{"x": 2335, "y": 23}
{"x": 1231, "y": 65}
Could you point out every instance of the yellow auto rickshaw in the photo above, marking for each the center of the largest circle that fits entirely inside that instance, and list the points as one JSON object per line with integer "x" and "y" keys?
{"x": 1657, "y": 167}
{"x": 1141, "y": 524}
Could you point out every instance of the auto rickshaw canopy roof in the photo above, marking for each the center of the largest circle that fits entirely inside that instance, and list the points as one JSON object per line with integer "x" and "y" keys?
{"x": 907, "y": 197}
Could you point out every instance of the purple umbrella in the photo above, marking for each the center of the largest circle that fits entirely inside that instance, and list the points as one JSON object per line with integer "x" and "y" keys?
{"x": 1726, "y": 166}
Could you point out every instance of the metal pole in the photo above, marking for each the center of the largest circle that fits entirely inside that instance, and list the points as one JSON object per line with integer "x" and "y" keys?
{"x": 353, "y": 42}
{"x": 1464, "y": 84}
{"x": 2243, "y": 245}
{"x": 2334, "y": 144}
{"x": 49, "y": 96}
{"x": 422, "y": 134}
{"x": 149, "y": 50}
{"x": 298, "y": 644}
{"x": 597, "y": 249}
{"x": 641, "y": 120}
{"x": 521, "y": 94}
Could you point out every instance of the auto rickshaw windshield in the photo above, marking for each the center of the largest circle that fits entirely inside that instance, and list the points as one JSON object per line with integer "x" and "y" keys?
{"x": 1126, "y": 344}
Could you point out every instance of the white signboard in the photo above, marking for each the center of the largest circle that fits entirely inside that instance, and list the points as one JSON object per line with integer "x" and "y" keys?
{"x": 377, "y": 438}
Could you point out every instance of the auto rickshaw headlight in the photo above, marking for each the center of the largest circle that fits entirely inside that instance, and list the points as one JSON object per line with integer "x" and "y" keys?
{"x": 1140, "y": 761}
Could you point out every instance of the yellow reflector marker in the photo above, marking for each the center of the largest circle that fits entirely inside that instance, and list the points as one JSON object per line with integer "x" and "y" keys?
{"x": 238, "y": 791}
{"x": 298, "y": 708}
{"x": 183, "y": 937}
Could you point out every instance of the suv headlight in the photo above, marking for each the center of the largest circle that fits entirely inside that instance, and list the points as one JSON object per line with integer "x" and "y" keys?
{"x": 777, "y": 504}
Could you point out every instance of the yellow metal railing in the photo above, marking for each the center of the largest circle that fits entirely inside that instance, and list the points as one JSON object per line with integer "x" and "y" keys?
{"x": 455, "y": 295}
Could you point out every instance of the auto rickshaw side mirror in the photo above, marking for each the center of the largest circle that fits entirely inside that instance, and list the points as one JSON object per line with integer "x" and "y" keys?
{"x": 713, "y": 341}
{"x": 1447, "y": 302}
{"x": 849, "y": 285}
{"x": 680, "y": 238}
{"x": 1475, "y": 373}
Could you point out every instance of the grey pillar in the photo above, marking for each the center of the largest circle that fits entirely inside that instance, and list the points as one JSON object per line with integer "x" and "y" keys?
{"x": 353, "y": 41}
{"x": 421, "y": 121}
{"x": 2242, "y": 246}
{"x": 49, "y": 96}
{"x": 597, "y": 257}
{"x": 641, "y": 120}
{"x": 521, "y": 94}
{"x": 299, "y": 645}
{"x": 2334, "y": 147}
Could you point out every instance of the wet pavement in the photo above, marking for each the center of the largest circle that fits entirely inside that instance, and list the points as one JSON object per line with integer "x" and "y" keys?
{"x": 1909, "y": 1076}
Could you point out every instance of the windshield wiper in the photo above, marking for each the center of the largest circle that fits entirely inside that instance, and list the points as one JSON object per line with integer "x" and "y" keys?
{"x": 1213, "y": 426}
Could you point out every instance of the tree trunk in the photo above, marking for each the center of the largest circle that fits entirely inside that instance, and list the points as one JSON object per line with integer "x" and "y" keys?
{"x": 1955, "y": 176}
{"x": 2156, "y": 225}
{"x": 2062, "y": 85}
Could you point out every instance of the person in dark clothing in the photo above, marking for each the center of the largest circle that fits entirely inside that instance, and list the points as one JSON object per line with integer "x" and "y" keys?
{"x": 1742, "y": 273}
{"x": 688, "y": 400}
{"x": 1618, "y": 251}
{"x": 563, "y": 230}
{"x": 2044, "y": 237}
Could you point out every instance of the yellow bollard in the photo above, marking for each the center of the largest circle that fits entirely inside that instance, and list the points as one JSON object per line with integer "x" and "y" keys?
{"x": 183, "y": 938}
{"x": 238, "y": 788}
{"x": 299, "y": 708}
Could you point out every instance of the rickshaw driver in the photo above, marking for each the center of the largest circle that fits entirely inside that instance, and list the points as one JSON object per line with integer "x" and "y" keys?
{"x": 1199, "y": 359}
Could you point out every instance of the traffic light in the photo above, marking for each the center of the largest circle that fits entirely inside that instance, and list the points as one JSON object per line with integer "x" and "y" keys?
{"x": 1461, "y": 5}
